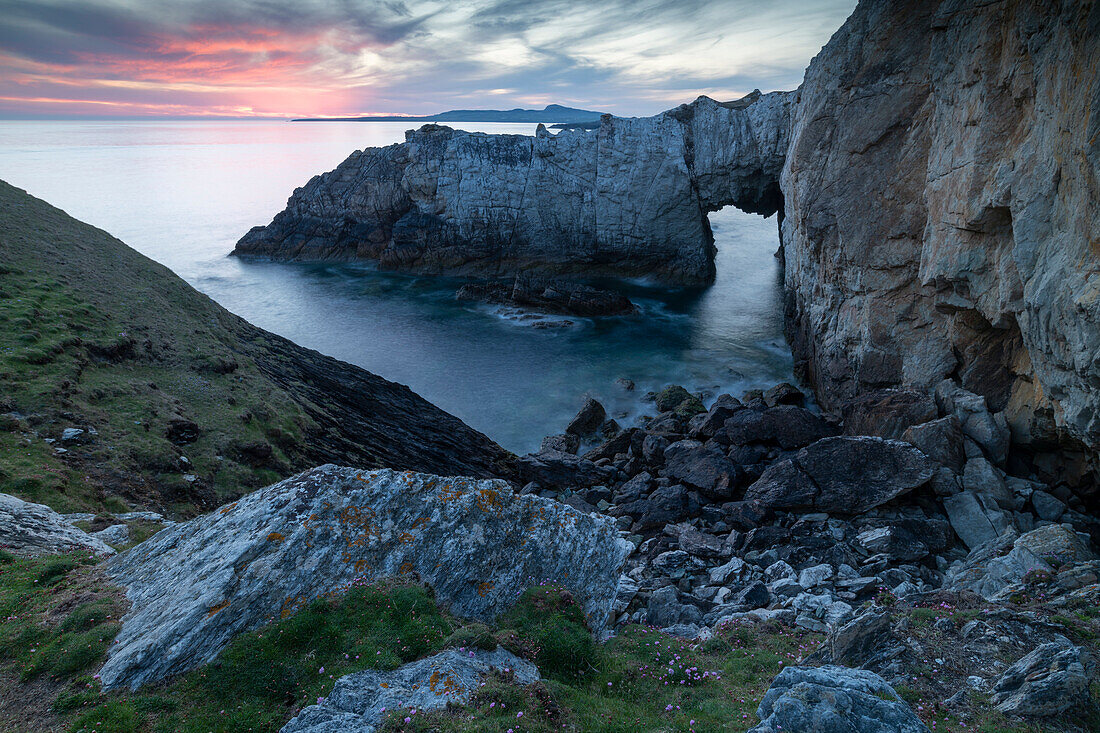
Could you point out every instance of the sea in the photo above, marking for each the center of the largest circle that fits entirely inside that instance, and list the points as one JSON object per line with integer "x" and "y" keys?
{"x": 183, "y": 192}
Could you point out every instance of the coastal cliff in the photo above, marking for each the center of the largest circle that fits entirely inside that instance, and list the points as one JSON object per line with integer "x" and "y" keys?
{"x": 942, "y": 211}
{"x": 629, "y": 198}
{"x": 936, "y": 176}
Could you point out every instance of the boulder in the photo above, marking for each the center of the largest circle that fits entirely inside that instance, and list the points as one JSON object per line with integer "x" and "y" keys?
{"x": 35, "y": 529}
{"x": 941, "y": 440}
{"x": 1005, "y": 562}
{"x": 988, "y": 430}
{"x": 195, "y": 585}
{"x": 116, "y": 534}
{"x": 1049, "y": 681}
{"x": 894, "y": 542}
{"x": 843, "y": 475}
{"x": 358, "y": 702}
{"x": 976, "y": 517}
{"x": 707, "y": 469}
{"x": 1047, "y": 506}
{"x": 665, "y": 505}
{"x": 563, "y": 443}
{"x": 784, "y": 394}
{"x": 787, "y": 426}
{"x": 588, "y": 420}
{"x": 888, "y": 413}
{"x": 834, "y": 699}
{"x": 555, "y": 470}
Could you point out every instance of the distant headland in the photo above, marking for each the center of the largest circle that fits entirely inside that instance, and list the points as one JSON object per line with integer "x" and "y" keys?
{"x": 550, "y": 113}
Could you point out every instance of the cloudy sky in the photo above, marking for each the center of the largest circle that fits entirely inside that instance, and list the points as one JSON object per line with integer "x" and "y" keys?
{"x": 339, "y": 57}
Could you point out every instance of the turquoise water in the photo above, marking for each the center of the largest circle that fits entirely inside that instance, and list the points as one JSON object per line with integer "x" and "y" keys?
{"x": 183, "y": 192}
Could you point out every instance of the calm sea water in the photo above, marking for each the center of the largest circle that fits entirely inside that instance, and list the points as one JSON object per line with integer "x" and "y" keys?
{"x": 182, "y": 193}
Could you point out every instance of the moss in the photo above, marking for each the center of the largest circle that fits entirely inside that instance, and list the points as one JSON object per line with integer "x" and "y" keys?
{"x": 549, "y": 627}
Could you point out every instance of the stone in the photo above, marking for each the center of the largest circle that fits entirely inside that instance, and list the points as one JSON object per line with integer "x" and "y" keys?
{"x": 1048, "y": 681}
{"x": 814, "y": 576}
{"x": 691, "y": 463}
{"x": 653, "y": 449}
{"x": 665, "y": 609}
{"x": 34, "y": 529}
{"x": 895, "y": 542}
{"x": 667, "y": 504}
{"x": 116, "y": 534}
{"x": 1047, "y": 506}
{"x": 195, "y": 585}
{"x": 588, "y": 419}
{"x": 888, "y": 413}
{"x": 833, "y": 699}
{"x": 854, "y": 643}
{"x": 679, "y": 400}
{"x": 549, "y": 295}
{"x": 976, "y": 517}
{"x": 552, "y": 469}
{"x": 784, "y": 394}
{"x": 1005, "y": 562}
{"x": 843, "y": 475}
{"x": 635, "y": 489}
{"x": 978, "y": 423}
{"x": 732, "y": 571}
{"x": 788, "y": 426}
{"x": 940, "y": 440}
{"x": 71, "y": 435}
{"x": 358, "y": 701}
{"x": 754, "y": 595}
{"x": 564, "y": 443}
{"x": 701, "y": 544}
{"x": 981, "y": 476}
{"x": 181, "y": 431}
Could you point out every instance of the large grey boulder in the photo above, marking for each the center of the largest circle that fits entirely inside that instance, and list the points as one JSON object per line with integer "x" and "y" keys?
{"x": 195, "y": 585}
{"x": 359, "y": 702}
{"x": 976, "y": 517}
{"x": 1049, "y": 681}
{"x": 843, "y": 475}
{"x": 34, "y": 529}
{"x": 833, "y": 699}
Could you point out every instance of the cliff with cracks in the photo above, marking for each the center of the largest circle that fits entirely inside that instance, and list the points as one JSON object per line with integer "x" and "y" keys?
{"x": 942, "y": 213}
{"x": 627, "y": 199}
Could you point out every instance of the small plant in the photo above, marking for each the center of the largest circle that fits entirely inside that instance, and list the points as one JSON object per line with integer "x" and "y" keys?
{"x": 549, "y": 623}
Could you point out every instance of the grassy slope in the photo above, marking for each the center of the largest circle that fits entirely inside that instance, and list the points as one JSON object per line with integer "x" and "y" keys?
{"x": 93, "y": 334}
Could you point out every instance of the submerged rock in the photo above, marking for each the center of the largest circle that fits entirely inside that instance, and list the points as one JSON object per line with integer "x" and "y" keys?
{"x": 34, "y": 529}
{"x": 550, "y": 296}
{"x": 833, "y": 699}
{"x": 359, "y": 702}
{"x": 195, "y": 585}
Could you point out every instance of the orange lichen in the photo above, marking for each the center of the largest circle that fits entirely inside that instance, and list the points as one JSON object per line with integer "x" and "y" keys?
{"x": 228, "y": 508}
{"x": 484, "y": 588}
{"x": 217, "y": 608}
{"x": 275, "y": 537}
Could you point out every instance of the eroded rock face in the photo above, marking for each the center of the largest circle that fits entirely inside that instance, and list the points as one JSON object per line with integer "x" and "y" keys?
{"x": 358, "y": 702}
{"x": 970, "y": 131}
{"x": 627, "y": 199}
{"x": 195, "y": 585}
{"x": 34, "y": 529}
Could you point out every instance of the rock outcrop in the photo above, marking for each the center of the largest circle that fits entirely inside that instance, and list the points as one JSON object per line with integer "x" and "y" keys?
{"x": 941, "y": 206}
{"x": 833, "y": 699}
{"x": 360, "y": 701}
{"x": 629, "y": 198}
{"x": 34, "y": 529}
{"x": 195, "y": 585}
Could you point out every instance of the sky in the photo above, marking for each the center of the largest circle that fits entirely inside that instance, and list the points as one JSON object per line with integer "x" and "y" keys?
{"x": 286, "y": 58}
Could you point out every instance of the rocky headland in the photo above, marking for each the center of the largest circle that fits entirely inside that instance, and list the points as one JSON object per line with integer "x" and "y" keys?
{"x": 911, "y": 545}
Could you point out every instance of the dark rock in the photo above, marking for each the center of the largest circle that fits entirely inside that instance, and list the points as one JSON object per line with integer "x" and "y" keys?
{"x": 549, "y": 296}
{"x": 563, "y": 443}
{"x": 705, "y": 426}
{"x": 255, "y": 454}
{"x": 588, "y": 420}
{"x": 755, "y": 595}
{"x": 745, "y": 515}
{"x": 887, "y": 413}
{"x": 670, "y": 398}
{"x": 665, "y": 609}
{"x": 763, "y": 538}
{"x": 701, "y": 544}
{"x": 665, "y": 505}
{"x": 784, "y": 394}
{"x": 668, "y": 424}
{"x": 857, "y": 641}
{"x": 707, "y": 469}
{"x": 579, "y": 503}
{"x": 940, "y": 440}
{"x": 794, "y": 427}
{"x": 609, "y": 429}
{"x": 181, "y": 431}
{"x": 843, "y": 475}
{"x": 746, "y": 426}
{"x": 653, "y": 449}
{"x": 895, "y": 542}
{"x": 614, "y": 446}
{"x": 634, "y": 489}
{"x": 552, "y": 469}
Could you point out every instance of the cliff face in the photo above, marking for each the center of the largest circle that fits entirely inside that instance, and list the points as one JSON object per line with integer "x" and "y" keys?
{"x": 627, "y": 199}
{"x": 942, "y": 208}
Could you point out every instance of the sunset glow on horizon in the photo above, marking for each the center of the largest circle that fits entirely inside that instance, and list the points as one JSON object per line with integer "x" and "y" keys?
{"x": 280, "y": 58}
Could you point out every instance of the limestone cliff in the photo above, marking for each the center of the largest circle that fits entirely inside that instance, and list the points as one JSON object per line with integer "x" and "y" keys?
{"x": 942, "y": 206}
{"x": 629, "y": 198}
